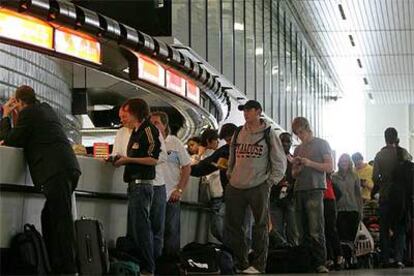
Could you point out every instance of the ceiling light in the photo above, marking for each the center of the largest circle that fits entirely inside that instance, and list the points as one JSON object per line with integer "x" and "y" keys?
{"x": 371, "y": 98}
{"x": 341, "y": 11}
{"x": 259, "y": 51}
{"x": 351, "y": 38}
{"x": 359, "y": 63}
{"x": 366, "y": 81}
{"x": 238, "y": 26}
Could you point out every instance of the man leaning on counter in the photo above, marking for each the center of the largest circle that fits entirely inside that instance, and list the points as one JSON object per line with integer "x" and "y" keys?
{"x": 53, "y": 167}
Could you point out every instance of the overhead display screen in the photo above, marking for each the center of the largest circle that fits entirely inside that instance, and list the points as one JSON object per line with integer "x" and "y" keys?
{"x": 175, "y": 83}
{"x": 77, "y": 45}
{"x": 193, "y": 92}
{"x": 25, "y": 29}
{"x": 151, "y": 71}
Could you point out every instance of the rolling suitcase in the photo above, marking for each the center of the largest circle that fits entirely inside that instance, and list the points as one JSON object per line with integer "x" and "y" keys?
{"x": 93, "y": 258}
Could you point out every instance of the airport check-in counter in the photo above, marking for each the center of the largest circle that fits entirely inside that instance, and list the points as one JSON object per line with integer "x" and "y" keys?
{"x": 100, "y": 194}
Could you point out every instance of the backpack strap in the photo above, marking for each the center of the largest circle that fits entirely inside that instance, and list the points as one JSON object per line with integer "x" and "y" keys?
{"x": 234, "y": 141}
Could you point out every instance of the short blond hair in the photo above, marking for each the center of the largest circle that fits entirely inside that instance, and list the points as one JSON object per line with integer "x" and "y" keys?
{"x": 301, "y": 122}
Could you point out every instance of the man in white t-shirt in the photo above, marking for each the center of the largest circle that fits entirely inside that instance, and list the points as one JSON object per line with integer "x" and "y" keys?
{"x": 158, "y": 205}
{"x": 176, "y": 175}
{"x": 123, "y": 134}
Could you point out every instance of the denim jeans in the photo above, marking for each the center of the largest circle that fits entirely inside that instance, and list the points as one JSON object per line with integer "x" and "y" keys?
{"x": 284, "y": 224}
{"x": 217, "y": 218}
{"x": 139, "y": 225}
{"x": 172, "y": 229}
{"x": 397, "y": 242}
{"x": 238, "y": 201}
{"x": 311, "y": 223}
{"x": 157, "y": 216}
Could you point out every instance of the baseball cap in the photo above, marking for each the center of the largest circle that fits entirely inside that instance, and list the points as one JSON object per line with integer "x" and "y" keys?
{"x": 250, "y": 104}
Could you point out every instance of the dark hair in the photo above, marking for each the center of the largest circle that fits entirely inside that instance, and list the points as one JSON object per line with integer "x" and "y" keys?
{"x": 25, "y": 94}
{"x": 285, "y": 134}
{"x": 391, "y": 136}
{"x": 195, "y": 139}
{"x": 164, "y": 120}
{"x": 227, "y": 130}
{"x": 138, "y": 108}
{"x": 357, "y": 156}
{"x": 208, "y": 135}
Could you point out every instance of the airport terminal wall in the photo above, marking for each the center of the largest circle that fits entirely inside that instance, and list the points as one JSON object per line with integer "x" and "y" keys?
{"x": 51, "y": 80}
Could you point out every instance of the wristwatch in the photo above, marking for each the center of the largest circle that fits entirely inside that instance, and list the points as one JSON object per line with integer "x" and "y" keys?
{"x": 179, "y": 190}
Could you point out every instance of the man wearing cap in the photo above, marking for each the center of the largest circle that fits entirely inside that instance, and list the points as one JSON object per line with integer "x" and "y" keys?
{"x": 217, "y": 161}
{"x": 385, "y": 163}
{"x": 256, "y": 163}
{"x": 53, "y": 167}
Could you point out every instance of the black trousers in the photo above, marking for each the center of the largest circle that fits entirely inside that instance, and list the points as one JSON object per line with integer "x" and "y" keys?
{"x": 57, "y": 222}
{"x": 347, "y": 224}
{"x": 333, "y": 245}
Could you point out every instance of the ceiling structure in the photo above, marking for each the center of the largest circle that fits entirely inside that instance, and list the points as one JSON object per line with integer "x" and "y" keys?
{"x": 369, "y": 44}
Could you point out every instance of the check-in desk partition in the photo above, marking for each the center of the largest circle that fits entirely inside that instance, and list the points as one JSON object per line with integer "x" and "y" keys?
{"x": 100, "y": 194}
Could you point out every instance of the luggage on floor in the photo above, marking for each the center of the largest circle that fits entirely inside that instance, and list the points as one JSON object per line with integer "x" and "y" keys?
{"x": 168, "y": 265}
{"x": 207, "y": 258}
{"x": 124, "y": 268}
{"x": 28, "y": 254}
{"x": 289, "y": 260}
{"x": 93, "y": 255}
{"x": 364, "y": 243}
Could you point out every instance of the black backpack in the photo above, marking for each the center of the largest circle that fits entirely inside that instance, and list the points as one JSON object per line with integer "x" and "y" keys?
{"x": 28, "y": 254}
{"x": 209, "y": 258}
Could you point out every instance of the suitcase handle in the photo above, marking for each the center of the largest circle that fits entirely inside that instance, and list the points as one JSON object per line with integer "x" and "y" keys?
{"x": 88, "y": 243}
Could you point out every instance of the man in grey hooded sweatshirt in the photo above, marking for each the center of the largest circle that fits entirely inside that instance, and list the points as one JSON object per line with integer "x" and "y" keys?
{"x": 255, "y": 164}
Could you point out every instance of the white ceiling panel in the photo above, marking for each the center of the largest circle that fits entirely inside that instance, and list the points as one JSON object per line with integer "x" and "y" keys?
{"x": 383, "y": 44}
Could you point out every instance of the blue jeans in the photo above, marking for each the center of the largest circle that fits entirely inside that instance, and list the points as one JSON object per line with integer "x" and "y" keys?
{"x": 172, "y": 229}
{"x": 157, "y": 216}
{"x": 310, "y": 223}
{"x": 217, "y": 218}
{"x": 284, "y": 224}
{"x": 139, "y": 225}
{"x": 397, "y": 242}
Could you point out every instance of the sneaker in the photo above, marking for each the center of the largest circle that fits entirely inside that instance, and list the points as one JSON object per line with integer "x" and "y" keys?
{"x": 322, "y": 269}
{"x": 340, "y": 263}
{"x": 329, "y": 263}
{"x": 399, "y": 265}
{"x": 251, "y": 270}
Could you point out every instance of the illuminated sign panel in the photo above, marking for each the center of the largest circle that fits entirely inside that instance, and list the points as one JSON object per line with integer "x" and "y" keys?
{"x": 25, "y": 29}
{"x": 77, "y": 45}
{"x": 175, "y": 83}
{"x": 193, "y": 92}
{"x": 151, "y": 71}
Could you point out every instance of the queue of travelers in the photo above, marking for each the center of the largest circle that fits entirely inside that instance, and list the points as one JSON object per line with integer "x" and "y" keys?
{"x": 258, "y": 187}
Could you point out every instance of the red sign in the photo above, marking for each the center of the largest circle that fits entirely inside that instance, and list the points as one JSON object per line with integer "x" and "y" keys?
{"x": 193, "y": 92}
{"x": 175, "y": 83}
{"x": 101, "y": 150}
